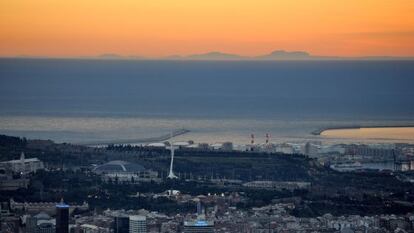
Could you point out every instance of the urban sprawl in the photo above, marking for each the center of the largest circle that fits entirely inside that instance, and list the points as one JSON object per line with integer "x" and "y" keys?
{"x": 197, "y": 187}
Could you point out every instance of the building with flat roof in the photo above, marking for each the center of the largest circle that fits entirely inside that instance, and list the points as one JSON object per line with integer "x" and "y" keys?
{"x": 62, "y": 218}
{"x": 137, "y": 224}
{"x": 47, "y": 207}
{"x": 199, "y": 226}
{"x": 40, "y": 223}
{"x": 121, "y": 224}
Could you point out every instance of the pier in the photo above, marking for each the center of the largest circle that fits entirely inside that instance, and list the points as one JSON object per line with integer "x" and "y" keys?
{"x": 164, "y": 137}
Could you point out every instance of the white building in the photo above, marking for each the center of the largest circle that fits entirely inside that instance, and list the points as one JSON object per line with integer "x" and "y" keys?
{"x": 90, "y": 228}
{"x": 285, "y": 148}
{"x": 23, "y": 165}
{"x": 137, "y": 224}
{"x": 332, "y": 149}
{"x": 311, "y": 149}
{"x": 199, "y": 226}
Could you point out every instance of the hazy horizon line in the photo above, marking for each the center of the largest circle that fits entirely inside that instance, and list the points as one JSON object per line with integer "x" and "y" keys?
{"x": 218, "y": 55}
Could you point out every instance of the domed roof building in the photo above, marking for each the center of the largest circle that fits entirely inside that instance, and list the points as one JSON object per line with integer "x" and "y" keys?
{"x": 123, "y": 171}
{"x": 119, "y": 166}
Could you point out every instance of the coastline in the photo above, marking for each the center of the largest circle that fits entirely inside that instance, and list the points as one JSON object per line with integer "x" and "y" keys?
{"x": 318, "y": 132}
{"x": 164, "y": 137}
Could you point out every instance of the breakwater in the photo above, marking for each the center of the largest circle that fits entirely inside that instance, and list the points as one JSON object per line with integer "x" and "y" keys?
{"x": 160, "y": 138}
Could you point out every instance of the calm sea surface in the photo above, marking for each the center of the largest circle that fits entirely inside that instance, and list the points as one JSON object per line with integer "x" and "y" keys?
{"x": 90, "y": 100}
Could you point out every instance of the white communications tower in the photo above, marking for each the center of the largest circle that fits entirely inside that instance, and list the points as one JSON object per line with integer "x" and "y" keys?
{"x": 171, "y": 175}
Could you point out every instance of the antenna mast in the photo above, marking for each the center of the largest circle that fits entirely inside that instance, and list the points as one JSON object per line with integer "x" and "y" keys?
{"x": 171, "y": 174}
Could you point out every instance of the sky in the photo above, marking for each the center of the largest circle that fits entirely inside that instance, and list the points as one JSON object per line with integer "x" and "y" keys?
{"x": 154, "y": 28}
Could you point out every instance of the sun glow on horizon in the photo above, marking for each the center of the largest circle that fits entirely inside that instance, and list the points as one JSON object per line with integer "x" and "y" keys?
{"x": 162, "y": 27}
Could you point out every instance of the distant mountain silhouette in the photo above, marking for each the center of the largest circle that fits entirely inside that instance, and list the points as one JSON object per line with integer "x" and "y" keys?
{"x": 277, "y": 55}
{"x": 114, "y": 56}
{"x": 285, "y": 55}
{"x": 110, "y": 56}
{"x": 215, "y": 56}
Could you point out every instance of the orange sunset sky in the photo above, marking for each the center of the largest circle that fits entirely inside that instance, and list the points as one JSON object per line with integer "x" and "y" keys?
{"x": 152, "y": 28}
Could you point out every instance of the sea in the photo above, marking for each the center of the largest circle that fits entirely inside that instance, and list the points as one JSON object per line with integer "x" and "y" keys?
{"x": 81, "y": 100}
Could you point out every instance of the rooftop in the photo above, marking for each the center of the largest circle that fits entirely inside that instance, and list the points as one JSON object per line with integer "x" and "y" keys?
{"x": 199, "y": 223}
{"x": 24, "y": 160}
{"x": 119, "y": 166}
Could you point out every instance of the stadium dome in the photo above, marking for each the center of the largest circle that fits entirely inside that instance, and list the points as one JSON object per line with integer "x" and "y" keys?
{"x": 157, "y": 144}
{"x": 119, "y": 167}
